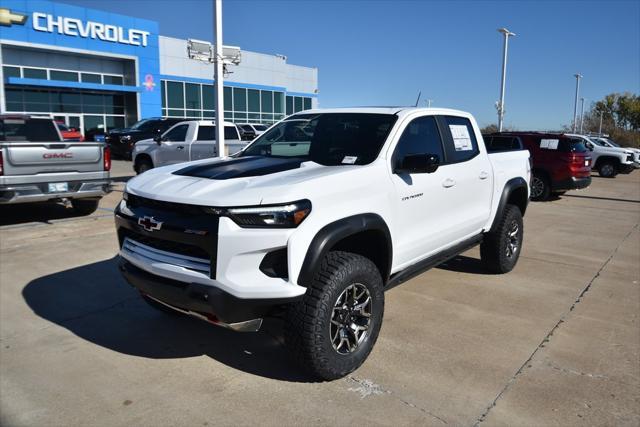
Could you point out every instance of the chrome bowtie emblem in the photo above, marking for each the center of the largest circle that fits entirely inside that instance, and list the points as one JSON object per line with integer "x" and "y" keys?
{"x": 149, "y": 224}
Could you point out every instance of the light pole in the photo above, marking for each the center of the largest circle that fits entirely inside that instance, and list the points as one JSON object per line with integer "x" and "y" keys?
{"x": 428, "y": 102}
{"x": 600, "y": 128}
{"x": 581, "y": 114}
{"x": 218, "y": 77}
{"x": 575, "y": 104}
{"x": 500, "y": 105}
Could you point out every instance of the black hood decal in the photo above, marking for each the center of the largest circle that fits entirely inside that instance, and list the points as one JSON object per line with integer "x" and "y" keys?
{"x": 241, "y": 167}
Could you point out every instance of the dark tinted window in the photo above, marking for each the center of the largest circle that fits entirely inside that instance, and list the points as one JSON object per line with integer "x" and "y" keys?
{"x": 206, "y": 133}
{"x": 34, "y": 73}
{"x": 113, "y": 80}
{"x": 230, "y": 132}
{"x": 178, "y": 133}
{"x": 501, "y": 143}
{"x": 33, "y": 130}
{"x": 572, "y": 145}
{"x": 91, "y": 78}
{"x": 421, "y": 136}
{"x": 11, "y": 71}
{"x": 63, "y": 75}
{"x": 463, "y": 145}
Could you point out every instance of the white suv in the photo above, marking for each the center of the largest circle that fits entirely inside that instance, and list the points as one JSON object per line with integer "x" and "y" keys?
{"x": 608, "y": 161}
{"x": 317, "y": 217}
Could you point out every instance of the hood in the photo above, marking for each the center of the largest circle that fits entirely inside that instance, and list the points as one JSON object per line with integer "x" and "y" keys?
{"x": 241, "y": 181}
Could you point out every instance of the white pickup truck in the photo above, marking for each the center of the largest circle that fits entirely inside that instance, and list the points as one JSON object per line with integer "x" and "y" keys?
{"x": 608, "y": 161}
{"x": 36, "y": 165}
{"x": 318, "y": 216}
{"x": 184, "y": 141}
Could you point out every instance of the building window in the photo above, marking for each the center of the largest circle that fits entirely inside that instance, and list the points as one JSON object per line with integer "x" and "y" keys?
{"x": 307, "y": 103}
{"x": 192, "y": 96}
{"x": 289, "y": 109}
{"x": 66, "y": 76}
{"x": 228, "y": 101}
{"x": 91, "y": 78}
{"x": 208, "y": 97}
{"x": 11, "y": 71}
{"x": 267, "y": 101}
{"x": 34, "y": 73}
{"x": 278, "y": 102}
{"x": 113, "y": 80}
{"x": 239, "y": 99}
{"x": 297, "y": 104}
{"x": 254, "y": 100}
{"x": 175, "y": 95}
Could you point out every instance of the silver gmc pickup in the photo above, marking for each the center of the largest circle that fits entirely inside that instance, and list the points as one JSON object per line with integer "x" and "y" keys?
{"x": 36, "y": 165}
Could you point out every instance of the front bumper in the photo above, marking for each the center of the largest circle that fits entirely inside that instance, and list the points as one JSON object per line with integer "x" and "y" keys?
{"x": 572, "y": 183}
{"x": 38, "y": 192}
{"x": 209, "y": 302}
{"x": 626, "y": 168}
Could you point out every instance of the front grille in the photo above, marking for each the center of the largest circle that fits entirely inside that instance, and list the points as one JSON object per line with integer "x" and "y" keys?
{"x": 142, "y": 202}
{"x": 167, "y": 245}
{"x": 150, "y": 254}
{"x": 630, "y": 158}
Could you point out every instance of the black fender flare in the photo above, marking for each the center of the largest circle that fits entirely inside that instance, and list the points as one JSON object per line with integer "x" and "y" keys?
{"x": 334, "y": 232}
{"x": 512, "y": 185}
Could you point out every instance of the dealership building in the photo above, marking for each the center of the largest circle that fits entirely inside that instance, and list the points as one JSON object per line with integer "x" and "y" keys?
{"x": 98, "y": 70}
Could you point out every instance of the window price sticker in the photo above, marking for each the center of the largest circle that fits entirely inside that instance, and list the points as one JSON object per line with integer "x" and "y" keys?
{"x": 349, "y": 160}
{"x": 461, "y": 137}
{"x": 549, "y": 144}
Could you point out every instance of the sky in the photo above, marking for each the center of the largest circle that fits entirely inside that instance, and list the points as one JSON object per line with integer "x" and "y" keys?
{"x": 385, "y": 52}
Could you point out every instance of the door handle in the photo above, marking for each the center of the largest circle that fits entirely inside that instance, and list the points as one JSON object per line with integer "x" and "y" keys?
{"x": 448, "y": 183}
{"x": 180, "y": 147}
{"x": 484, "y": 175}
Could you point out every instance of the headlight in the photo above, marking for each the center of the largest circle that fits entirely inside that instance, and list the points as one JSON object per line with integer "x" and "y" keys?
{"x": 288, "y": 215}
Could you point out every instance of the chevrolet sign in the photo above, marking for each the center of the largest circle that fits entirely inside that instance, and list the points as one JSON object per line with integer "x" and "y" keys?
{"x": 7, "y": 17}
{"x": 89, "y": 29}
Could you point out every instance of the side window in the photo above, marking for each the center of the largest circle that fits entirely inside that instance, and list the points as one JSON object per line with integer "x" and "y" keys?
{"x": 177, "y": 134}
{"x": 421, "y": 136}
{"x": 501, "y": 143}
{"x": 206, "y": 133}
{"x": 463, "y": 144}
{"x": 230, "y": 132}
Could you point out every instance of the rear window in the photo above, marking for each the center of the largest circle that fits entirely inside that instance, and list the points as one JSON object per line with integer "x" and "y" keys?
{"x": 572, "y": 145}
{"x": 30, "y": 130}
{"x": 208, "y": 133}
{"x": 502, "y": 143}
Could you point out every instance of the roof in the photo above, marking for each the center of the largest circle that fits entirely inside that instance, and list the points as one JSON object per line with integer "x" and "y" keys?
{"x": 205, "y": 122}
{"x": 386, "y": 110}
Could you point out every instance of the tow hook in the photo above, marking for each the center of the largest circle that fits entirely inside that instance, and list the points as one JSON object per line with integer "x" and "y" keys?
{"x": 66, "y": 202}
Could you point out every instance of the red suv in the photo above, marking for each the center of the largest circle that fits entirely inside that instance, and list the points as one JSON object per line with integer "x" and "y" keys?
{"x": 559, "y": 162}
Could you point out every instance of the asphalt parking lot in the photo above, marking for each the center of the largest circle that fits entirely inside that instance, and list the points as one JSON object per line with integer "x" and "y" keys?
{"x": 555, "y": 342}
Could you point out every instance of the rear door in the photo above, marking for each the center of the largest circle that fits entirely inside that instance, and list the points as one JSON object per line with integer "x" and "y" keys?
{"x": 174, "y": 147}
{"x": 204, "y": 145}
{"x": 468, "y": 179}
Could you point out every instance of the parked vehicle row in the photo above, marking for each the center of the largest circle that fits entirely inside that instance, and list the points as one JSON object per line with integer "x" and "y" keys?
{"x": 316, "y": 218}
{"x": 37, "y": 165}
{"x": 563, "y": 161}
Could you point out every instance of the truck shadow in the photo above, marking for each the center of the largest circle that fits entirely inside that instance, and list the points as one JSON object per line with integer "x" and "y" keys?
{"x": 464, "y": 264}
{"x": 35, "y": 212}
{"x": 96, "y": 304}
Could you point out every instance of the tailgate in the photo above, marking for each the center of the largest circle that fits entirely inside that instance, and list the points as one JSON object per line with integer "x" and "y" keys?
{"x": 30, "y": 158}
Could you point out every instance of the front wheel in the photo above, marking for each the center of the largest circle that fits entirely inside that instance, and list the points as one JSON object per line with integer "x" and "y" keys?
{"x": 334, "y": 328}
{"x": 143, "y": 166}
{"x": 607, "y": 170}
{"x": 501, "y": 247}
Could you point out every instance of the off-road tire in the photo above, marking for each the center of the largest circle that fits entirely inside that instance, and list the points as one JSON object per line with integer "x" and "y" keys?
{"x": 161, "y": 307}
{"x": 540, "y": 187}
{"x": 496, "y": 246}
{"x": 607, "y": 169}
{"x": 85, "y": 206}
{"x": 308, "y": 322}
{"x": 143, "y": 166}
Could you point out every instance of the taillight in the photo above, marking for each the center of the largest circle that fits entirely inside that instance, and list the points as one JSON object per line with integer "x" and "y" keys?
{"x": 106, "y": 156}
{"x": 1, "y": 164}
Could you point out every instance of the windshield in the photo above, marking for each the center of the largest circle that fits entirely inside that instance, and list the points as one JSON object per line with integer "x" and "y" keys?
{"x": 142, "y": 124}
{"x": 598, "y": 142}
{"x": 327, "y": 138}
{"x": 261, "y": 128}
{"x": 613, "y": 144}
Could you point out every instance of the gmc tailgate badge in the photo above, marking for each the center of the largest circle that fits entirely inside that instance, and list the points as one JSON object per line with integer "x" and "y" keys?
{"x": 149, "y": 224}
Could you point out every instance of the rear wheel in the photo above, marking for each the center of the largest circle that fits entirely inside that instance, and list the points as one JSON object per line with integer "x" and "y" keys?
{"x": 501, "y": 247}
{"x": 143, "y": 166}
{"x": 540, "y": 188}
{"x": 85, "y": 206}
{"x": 607, "y": 169}
{"x": 333, "y": 329}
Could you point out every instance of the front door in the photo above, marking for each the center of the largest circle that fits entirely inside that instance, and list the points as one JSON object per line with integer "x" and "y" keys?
{"x": 421, "y": 211}
{"x": 174, "y": 148}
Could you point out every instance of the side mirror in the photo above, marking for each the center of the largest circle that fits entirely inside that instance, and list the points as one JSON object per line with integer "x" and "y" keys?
{"x": 158, "y": 139}
{"x": 589, "y": 146}
{"x": 418, "y": 163}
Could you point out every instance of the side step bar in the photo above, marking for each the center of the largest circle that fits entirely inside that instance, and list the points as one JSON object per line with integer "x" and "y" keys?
{"x": 432, "y": 261}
